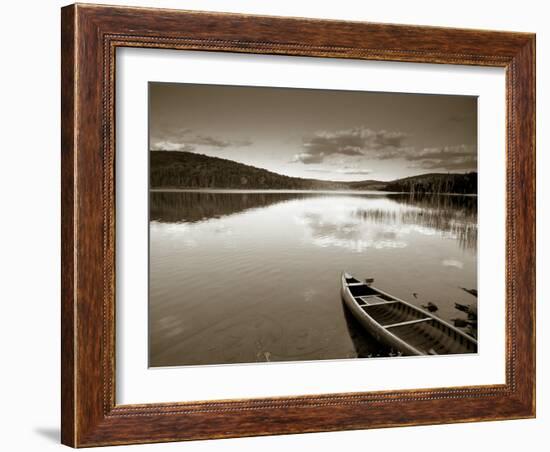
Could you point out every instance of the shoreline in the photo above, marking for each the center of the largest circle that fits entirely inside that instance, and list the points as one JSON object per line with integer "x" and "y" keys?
{"x": 337, "y": 192}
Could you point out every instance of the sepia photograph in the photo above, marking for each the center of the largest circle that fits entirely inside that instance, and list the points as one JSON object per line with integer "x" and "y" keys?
{"x": 291, "y": 224}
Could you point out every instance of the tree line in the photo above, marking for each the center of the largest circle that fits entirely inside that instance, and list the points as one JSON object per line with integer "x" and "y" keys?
{"x": 169, "y": 169}
{"x": 436, "y": 183}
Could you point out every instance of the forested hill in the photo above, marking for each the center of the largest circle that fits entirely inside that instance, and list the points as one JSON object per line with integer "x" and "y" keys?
{"x": 170, "y": 169}
{"x": 188, "y": 170}
{"x": 436, "y": 183}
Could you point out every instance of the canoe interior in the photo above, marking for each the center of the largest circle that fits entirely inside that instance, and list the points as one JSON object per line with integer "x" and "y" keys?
{"x": 433, "y": 337}
{"x": 425, "y": 333}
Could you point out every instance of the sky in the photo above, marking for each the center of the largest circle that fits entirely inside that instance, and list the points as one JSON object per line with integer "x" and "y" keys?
{"x": 320, "y": 134}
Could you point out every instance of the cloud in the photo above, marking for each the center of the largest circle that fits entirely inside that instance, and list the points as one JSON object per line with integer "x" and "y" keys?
{"x": 184, "y": 140}
{"x": 307, "y": 158}
{"x": 443, "y": 152}
{"x": 211, "y": 141}
{"x": 245, "y": 142}
{"x": 217, "y": 143}
{"x": 460, "y": 157}
{"x": 164, "y": 145}
{"x": 384, "y": 145}
{"x": 345, "y": 171}
{"x": 357, "y": 172}
{"x": 349, "y": 142}
{"x": 319, "y": 170}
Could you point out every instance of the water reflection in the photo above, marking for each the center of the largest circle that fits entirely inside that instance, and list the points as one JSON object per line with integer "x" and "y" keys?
{"x": 452, "y": 216}
{"x": 361, "y": 223}
{"x": 364, "y": 344}
{"x": 252, "y": 277}
{"x": 351, "y": 233}
{"x": 185, "y": 206}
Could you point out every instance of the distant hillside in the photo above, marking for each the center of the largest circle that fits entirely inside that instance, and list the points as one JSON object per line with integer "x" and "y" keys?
{"x": 436, "y": 183}
{"x": 169, "y": 169}
{"x": 189, "y": 170}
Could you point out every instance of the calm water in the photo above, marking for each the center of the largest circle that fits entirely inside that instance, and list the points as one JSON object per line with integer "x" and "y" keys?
{"x": 248, "y": 277}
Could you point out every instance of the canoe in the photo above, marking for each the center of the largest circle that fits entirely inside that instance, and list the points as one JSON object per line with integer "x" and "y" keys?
{"x": 405, "y": 328}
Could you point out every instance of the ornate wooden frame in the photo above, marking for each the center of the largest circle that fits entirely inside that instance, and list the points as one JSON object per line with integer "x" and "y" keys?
{"x": 90, "y": 35}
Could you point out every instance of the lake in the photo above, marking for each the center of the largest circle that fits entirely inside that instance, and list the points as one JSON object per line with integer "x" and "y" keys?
{"x": 241, "y": 277}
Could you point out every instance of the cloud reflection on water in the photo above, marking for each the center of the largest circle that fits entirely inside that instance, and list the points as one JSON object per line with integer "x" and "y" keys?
{"x": 385, "y": 223}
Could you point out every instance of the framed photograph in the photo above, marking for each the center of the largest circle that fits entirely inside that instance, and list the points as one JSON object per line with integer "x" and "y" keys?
{"x": 281, "y": 225}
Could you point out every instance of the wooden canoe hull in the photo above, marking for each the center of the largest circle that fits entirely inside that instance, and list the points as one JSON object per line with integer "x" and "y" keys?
{"x": 455, "y": 341}
{"x": 374, "y": 328}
